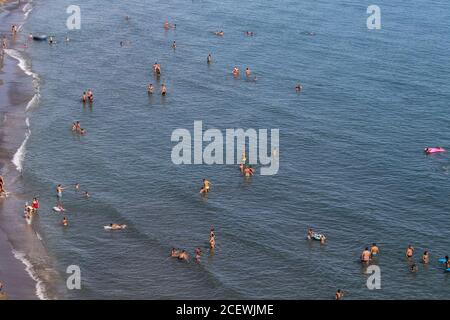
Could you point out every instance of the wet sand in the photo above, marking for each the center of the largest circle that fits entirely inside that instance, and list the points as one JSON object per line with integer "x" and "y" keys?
{"x": 15, "y": 92}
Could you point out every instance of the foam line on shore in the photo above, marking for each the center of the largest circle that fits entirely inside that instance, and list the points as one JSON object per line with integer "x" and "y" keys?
{"x": 40, "y": 288}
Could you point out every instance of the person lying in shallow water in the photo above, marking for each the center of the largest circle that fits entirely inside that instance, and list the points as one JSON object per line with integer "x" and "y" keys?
{"x": 115, "y": 226}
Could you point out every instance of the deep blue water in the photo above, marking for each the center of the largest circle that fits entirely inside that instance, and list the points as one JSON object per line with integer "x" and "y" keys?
{"x": 351, "y": 161}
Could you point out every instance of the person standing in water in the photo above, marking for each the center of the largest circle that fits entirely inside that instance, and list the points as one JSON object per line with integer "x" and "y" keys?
{"x": 235, "y": 72}
{"x": 339, "y": 294}
{"x": 35, "y": 204}
{"x": 425, "y": 257}
{"x": 212, "y": 243}
{"x": 198, "y": 253}
{"x": 150, "y": 88}
{"x": 205, "y": 187}
{"x": 365, "y": 256}
{"x": 374, "y": 250}
{"x": 209, "y": 58}
{"x": 174, "y": 45}
{"x": 59, "y": 190}
{"x": 65, "y": 222}
{"x": 247, "y": 72}
{"x": 409, "y": 251}
{"x": 163, "y": 89}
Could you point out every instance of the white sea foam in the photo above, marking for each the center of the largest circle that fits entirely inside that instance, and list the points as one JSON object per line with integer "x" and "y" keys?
{"x": 23, "y": 64}
{"x": 19, "y": 156}
{"x": 33, "y": 102}
{"x": 40, "y": 288}
{"x": 27, "y": 9}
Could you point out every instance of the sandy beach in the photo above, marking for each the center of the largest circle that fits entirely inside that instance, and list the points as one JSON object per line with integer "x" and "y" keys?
{"x": 16, "y": 91}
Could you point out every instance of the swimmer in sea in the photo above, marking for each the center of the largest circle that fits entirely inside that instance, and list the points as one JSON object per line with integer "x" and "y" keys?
{"x": 115, "y": 226}
{"x": 198, "y": 253}
{"x": 322, "y": 239}
{"x": 374, "y": 250}
{"x": 174, "y": 253}
{"x": 212, "y": 243}
{"x": 65, "y": 223}
{"x": 235, "y": 72}
{"x": 212, "y": 234}
{"x": 158, "y": 70}
{"x": 247, "y": 72}
{"x": 174, "y": 45}
{"x": 248, "y": 171}
{"x": 310, "y": 234}
{"x": 241, "y": 167}
{"x": 150, "y": 88}
{"x": 86, "y": 194}
{"x": 209, "y": 58}
{"x": 409, "y": 251}
{"x": 298, "y": 87}
{"x": 77, "y": 187}
{"x": 167, "y": 25}
{"x": 163, "y": 89}
{"x": 365, "y": 256}
{"x": 414, "y": 268}
{"x": 219, "y": 33}
{"x": 339, "y": 294}
{"x": 84, "y": 97}
{"x": 426, "y": 257}
{"x": 183, "y": 255}
{"x": 205, "y": 187}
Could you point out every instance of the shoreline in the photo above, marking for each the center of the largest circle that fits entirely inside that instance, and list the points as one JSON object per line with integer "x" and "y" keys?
{"x": 20, "y": 245}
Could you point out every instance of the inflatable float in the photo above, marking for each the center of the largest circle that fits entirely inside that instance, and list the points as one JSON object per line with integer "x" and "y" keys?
{"x": 42, "y": 37}
{"x": 433, "y": 150}
{"x": 120, "y": 227}
{"x": 316, "y": 236}
{"x": 57, "y": 209}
